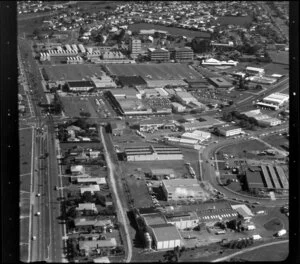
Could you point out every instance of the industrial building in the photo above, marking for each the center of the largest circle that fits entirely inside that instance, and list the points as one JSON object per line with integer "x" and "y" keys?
{"x": 91, "y": 180}
{"x": 178, "y": 108}
{"x": 80, "y": 86}
{"x": 103, "y": 82}
{"x": 229, "y": 130}
{"x": 274, "y": 177}
{"x": 214, "y": 62}
{"x": 87, "y": 207}
{"x": 243, "y": 211}
{"x": 186, "y": 97}
{"x": 165, "y": 236}
{"x": 220, "y": 82}
{"x": 132, "y": 81}
{"x": 263, "y": 119}
{"x": 182, "y": 189}
{"x": 159, "y": 54}
{"x": 74, "y": 60}
{"x": 183, "y": 142}
{"x": 197, "y": 135}
{"x": 184, "y": 54}
{"x": 197, "y": 84}
{"x": 135, "y": 47}
{"x": 150, "y": 153}
{"x": 254, "y": 179}
{"x": 255, "y": 71}
{"x": 274, "y": 101}
{"x": 183, "y": 220}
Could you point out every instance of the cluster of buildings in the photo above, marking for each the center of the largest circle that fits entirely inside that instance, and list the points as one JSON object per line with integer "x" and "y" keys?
{"x": 151, "y": 153}
{"x": 263, "y": 119}
{"x": 21, "y": 106}
{"x": 266, "y": 177}
{"x": 162, "y": 230}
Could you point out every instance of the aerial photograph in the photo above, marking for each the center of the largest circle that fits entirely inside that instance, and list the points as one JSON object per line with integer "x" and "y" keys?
{"x": 153, "y": 131}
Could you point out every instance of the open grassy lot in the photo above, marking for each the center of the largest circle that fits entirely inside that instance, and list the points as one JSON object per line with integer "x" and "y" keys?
{"x": 277, "y": 141}
{"x": 246, "y": 149}
{"x": 273, "y": 225}
{"x": 96, "y": 6}
{"x": 25, "y": 182}
{"x": 24, "y": 224}
{"x": 73, "y": 106}
{"x": 172, "y": 30}
{"x": 92, "y": 145}
{"x": 281, "y": 57}
{"x": 276, "y": 68}
{"x": 72, "y": 72}
{"x": 272, "y": 253}
{"x": 24, "y": 252}
{"x": 25, "y": 136}
{"x": 163, "y": 71}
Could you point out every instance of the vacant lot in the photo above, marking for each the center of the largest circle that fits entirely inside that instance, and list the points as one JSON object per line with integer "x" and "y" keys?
{"x": 24, "y": 252}
{"x": 25, "y": 182}
{"x": 25, "y": 136}
{"x": 163, "y": 71}
{"x": 281, "y": 57}
{"x": 273, "y": 225}
{"x": 277, "y": 141}
{"x": 276, "y": 68}
{"x": 73, "y": 106}
{"x": 72, "y": 72}
{"x": 272, "y": 253}
{"x": 172, "y": 30}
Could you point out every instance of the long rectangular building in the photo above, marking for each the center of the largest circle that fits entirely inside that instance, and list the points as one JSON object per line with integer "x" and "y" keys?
{"x": 266, "y": 177}
{"x": 282, "y": 177}
{"x": 274, "y": 177}
{"x": 150, "y": 153}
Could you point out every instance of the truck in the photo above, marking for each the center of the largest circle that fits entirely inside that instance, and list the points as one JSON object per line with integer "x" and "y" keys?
{"x": 220, "y": 232}
{"x": 281, "y": 233}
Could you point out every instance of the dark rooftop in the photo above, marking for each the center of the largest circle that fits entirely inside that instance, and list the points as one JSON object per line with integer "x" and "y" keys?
{"x": 131, "y": 80}
{"x": 81, "y": 84}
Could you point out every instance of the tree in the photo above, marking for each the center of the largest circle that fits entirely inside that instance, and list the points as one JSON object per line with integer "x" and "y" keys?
{"x": 87, "y": 197}
{"x": 200, "y": 45}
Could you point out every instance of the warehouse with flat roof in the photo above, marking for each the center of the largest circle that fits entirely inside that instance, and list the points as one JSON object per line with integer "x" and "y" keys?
{"x": 150, "y": 153}
{"x": 220, "y": 82}
{"x": 80, "y": 86}
{"x": 183, "y": 189}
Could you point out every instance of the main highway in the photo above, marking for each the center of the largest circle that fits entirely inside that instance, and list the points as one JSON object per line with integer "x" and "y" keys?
{"x": 45, "y": 231}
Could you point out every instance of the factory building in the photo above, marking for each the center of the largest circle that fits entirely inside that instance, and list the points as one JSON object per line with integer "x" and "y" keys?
{"x": 150, "y": 153}
{"x": 197, "y": 135}
{"x": 103, "y": 82}
{"x": 183, "y": 220}
{"x": 81, "y": 48}
{"x": 159, "y": 54}
{"x": 274, "y": 101}
{"x": 74, "y": 60}
{"x": 229, "y": 130}
{"x": 255, "y": 71}
{"x": 263, "y": 119}
{"x": 165, "y": 236}
{"x": 184, "y": 54}
{"x": 135, "y": 47}
{"x": 80, "y": 86}
{"x": 182, "y": 189}
{"x": 219, "y": 82}
{"x": 132, "y": 81}
{"x": 158, "y": 123}
{"x": 178, "y": 108}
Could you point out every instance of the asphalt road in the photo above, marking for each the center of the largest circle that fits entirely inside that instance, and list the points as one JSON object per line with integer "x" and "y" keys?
{"x": 48, "y": 245}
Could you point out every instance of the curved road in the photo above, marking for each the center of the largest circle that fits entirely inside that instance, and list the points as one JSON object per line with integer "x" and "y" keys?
{"x": 209, "y": 174}
{"x": 121, "y": 214}
{"x": 249, "y": 249}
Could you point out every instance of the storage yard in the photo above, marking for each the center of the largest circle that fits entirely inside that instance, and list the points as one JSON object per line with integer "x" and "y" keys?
{"x": 71, "y": 72}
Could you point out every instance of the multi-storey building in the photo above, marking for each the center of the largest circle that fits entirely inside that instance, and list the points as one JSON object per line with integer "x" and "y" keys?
{"x": 135, "y": 47}
{"x": 159, "y": 54}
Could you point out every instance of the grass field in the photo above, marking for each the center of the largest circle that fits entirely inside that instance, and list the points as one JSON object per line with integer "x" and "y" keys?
{"x": 73, "y": 106}
{"x": 281, "y": 57}
{"x": 172, "y": 30}
{"x": 238, "y": 149}
{"x": 163, "y": 71}
{"x": 272, "y": 253}
{"x": 24, "y": 252}
{"x": 25, "y": 182}
{"x": 25, "y": 136}
{"x": 276, "y": 68}
{"x": 72, "y": 72}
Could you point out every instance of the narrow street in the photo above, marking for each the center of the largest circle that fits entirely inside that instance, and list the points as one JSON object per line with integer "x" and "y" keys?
{"x": 121, "y": 214}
